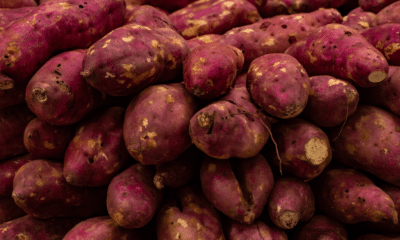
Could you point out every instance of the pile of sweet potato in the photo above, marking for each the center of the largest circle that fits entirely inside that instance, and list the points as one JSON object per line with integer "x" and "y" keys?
{"x": 199, "y": 119}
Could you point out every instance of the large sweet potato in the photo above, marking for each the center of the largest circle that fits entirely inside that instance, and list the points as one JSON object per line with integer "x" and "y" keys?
{"x": 359, "y": 20}
{"x": 239, "y": 188}
{"x": 97, "y": 151}
{"x": 342, "y": 52}
{"x": 41, "y": 190}
{"x": 8, "y": 168}
{"x": 389, "y": 14}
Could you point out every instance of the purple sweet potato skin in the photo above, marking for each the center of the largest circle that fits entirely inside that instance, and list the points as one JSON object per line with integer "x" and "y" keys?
{"x": 195, "y": 219}
{"x": 210, "y": 70}
{"x": 207, "y": 38}
{"x": 373, "y": 236}
{"x": 321, "y": 227}
{"x": 44, "y": 140}
{"x": 7, "y": 173}
{"x": 291, "y": 201}
{"x": 359, "y": 20}
{"x": 13, "y": 96}
{"x": 13, "y": 121}
{"x": 28, "y": 227}
{"x": 303, "y": 147}
{"x": 180, "y": 171}
{"x": 41, "y": 190}
{"x": 170, "y": 6}
{"x": 57, "y": 93}
{"x": 9, "y": 210}
{"x": 389, "y": 14}
{"x": 351, "y": 197}
{"x": 278, "y": 84}
{"x": 97, "y": 151}
{"x": 132, "y": 199}
{"x": 386, "y": 39}
{"x": 133, "y": 57}
{"x": 18, "y": 3}
{"x": 276, "y": 34}
{"x": 374, "y": 6}
{"x": 239, "y": 188}
{"x": 331, "y": 101}
{"x": 369, "y": 141}
{"x": 156, "y": 123}
{"x": 149, "y": 16}
{"x": 7, "y": 15}
{"x": 342, "y": 52}
{"x": 255, "y": 231}
{"x": 55, "y": 26}
{"x": 101, "y": 227}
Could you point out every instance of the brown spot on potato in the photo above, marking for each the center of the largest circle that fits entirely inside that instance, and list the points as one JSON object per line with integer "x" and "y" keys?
{"x": 40, "y": 182}
{"x": 316, "y": 151}
{"x": 48, "y": 145}
{"x": 169, "y": 99}
{"x": 40, "y": 94}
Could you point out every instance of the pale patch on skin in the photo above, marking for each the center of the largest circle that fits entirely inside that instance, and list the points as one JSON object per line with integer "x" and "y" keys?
{"x": 128, "y": 39}
{"x": 206, "y": 39}
{"x": 145, "y": 122}
{"x": 316, "y": 150}
{"x": 390, "y": 49}
{"x": 228, "y": 4}
{"x": 198, "y": 66}
{"x": 48, "y": 145}
{"x": 276, "y": 64}
{"x": 182, "y": 222}
{"x": 109, "y": 75}
{"x": 65, "y": 5}
{"x": 170, "y": 57}
{"x": 169, "y": 99}
{"x": 224, "y": 13}
{"x": 333, "y": 82}
{"x": 363, "y": 24}
{"x": 40, "y": 182}
{"x": 178, "y": 235}
{"x": 193, "y": 31}
{"x": 141, "y": 27}
{"x": 283, "y": 70}
{"x": 268, "y": 42}
{"x": 313, "y": 58}
{"x": 106, "y": 43}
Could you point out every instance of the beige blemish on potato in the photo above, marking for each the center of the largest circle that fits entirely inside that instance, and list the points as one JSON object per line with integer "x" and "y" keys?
{"x": 351, "y": 149}
{"x": 316, "y": 150}
{"x": 390, "y": 49}
{"x": 206, "y": 39}
{"x": 137, "y": 26}
{"x": 364, "y": 24}
{"x": 182, "y": 222}
{"x": 162, "y": 89}
{"x": 228, "y": 4}
{"x": 268, "y": 42}
{"x": 379, "y": 45}
{"x": 109, "y": 75}
{"x": 198, "y": 66}
{"x": 155, "y": 43}
{"x": 276, "y": 64}
{"x": 169, "y": 99}
{"x": 313, "y": 58}
{"x": 178, "y": 235}
{"x": 91, "y": 143}
{"x": 128, "y": 39}
{"x": 106, "y": 43}
{"x": 194, "y": 30}
{"x": 283, "y": 70}
{"x": 145, "y": 122}
{"x": 224, "y": 13}
{"x": 48, "y": 145}
{"x": 65, "y": 5}
{"x": 332, "y": 82}
{"x": 171, "y": 58}
{"x": 40, "y": 182}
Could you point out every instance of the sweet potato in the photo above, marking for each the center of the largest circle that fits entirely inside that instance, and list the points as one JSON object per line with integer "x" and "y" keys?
{"x": 9, "y": 210}
{"x": 303, "y": 148}
{"x": 255, "y": 231}
{"x": 149, "y": 16}
{"x": 207, "y": 38}
{"x": 28, "y": 227}
{"x": 239, "y": 188}
{"x": 101, "y": 227}
{"x": 13, "y": 121}
{"x": 278, "y": 84}
{"x": 53, "y": 27}
{"x": 41, "y": 190}
{"x": 374, "y": 6}
{"x": 132, "y": 199}
{"x": 156, "y": 123}
{"x": 58, "y": 94}
{"x": 351, "y": 197}
{"x": 170, "y": 5}
{"x": 389, "y": 14}
{"x": 180, "y": 171}
{"x": 321, "y": 227}
{"x": 7, "y": 15}
{"x": 133, "y": 57}
{"x": 7, "y": 173}
{"x": 372, "y": 236}
{"x": 213, "y": 17}
{"x": 18, "y": 3}
{"x": 276, "y": 34}
{"x": 210, "y": 70}
{"x": 188, "y": 215}
{"x": 385, "y": 38}
{"x": 279, "y": 7}
{"x": 97, "y": 151}
{"x": 291, "y": 201}
{"x": 342, "y": 52}
{"x": 359, "y": 20}
{"x": 331, "y": 101}
{"x": 369, "y": 141}
{"x": 43, "y": 140}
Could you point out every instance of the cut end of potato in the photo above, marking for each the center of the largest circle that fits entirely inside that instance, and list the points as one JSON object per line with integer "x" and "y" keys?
{"x": 288, "y": 220}
{"x": 316, "y": 151}
{"x": 378, "y": 76}
{"x": 40, "y": 94}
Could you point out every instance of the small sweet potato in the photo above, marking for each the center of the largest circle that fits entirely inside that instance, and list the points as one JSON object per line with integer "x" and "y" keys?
{"x": 44, "y": 140}
{"x": 210, "y": 70}
{"x": 9, "y": 210}
{"x": 291, "y": 201}
{"x": 18, "y": 3}
{"x": 374, "y": 6}
{"x": 188, "y": 215}
{"x": 385, "y": 38}
{"x": 41, "y": 190}
{"x": 180, "y": 171}
{"x": 28, "y": 227}
{"x": 207, "y": 38}
{"x": 389, "y": 14}
{"x": 58, "y": 94}
{"x": 97, "y": 152}
{"x": 321, "y": 227}
{"x": 342, "y": 52}
{"x": 132, "y": 199}
{"x": 239, "y": 188}
{"x": 276, "y": 34}
{"x": 369, "y": 141}
{"x": 351, "y": 197}
{"x": 303, "y": 148}
{"x": 101, "y": 227}
{"x": 255, "y": 231}
{"x": 149, "y": 16}
{"x": 213, "y": 17}
{"x": 7, "y": 173}
{"x": 359, "y": 20}
{"x": 330, "y": 102}
{"x": 278, "y": 84}
{"x": 13, "y": 121}
{"x": 156, "y": 123}
{"x": 133, "y": 57}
